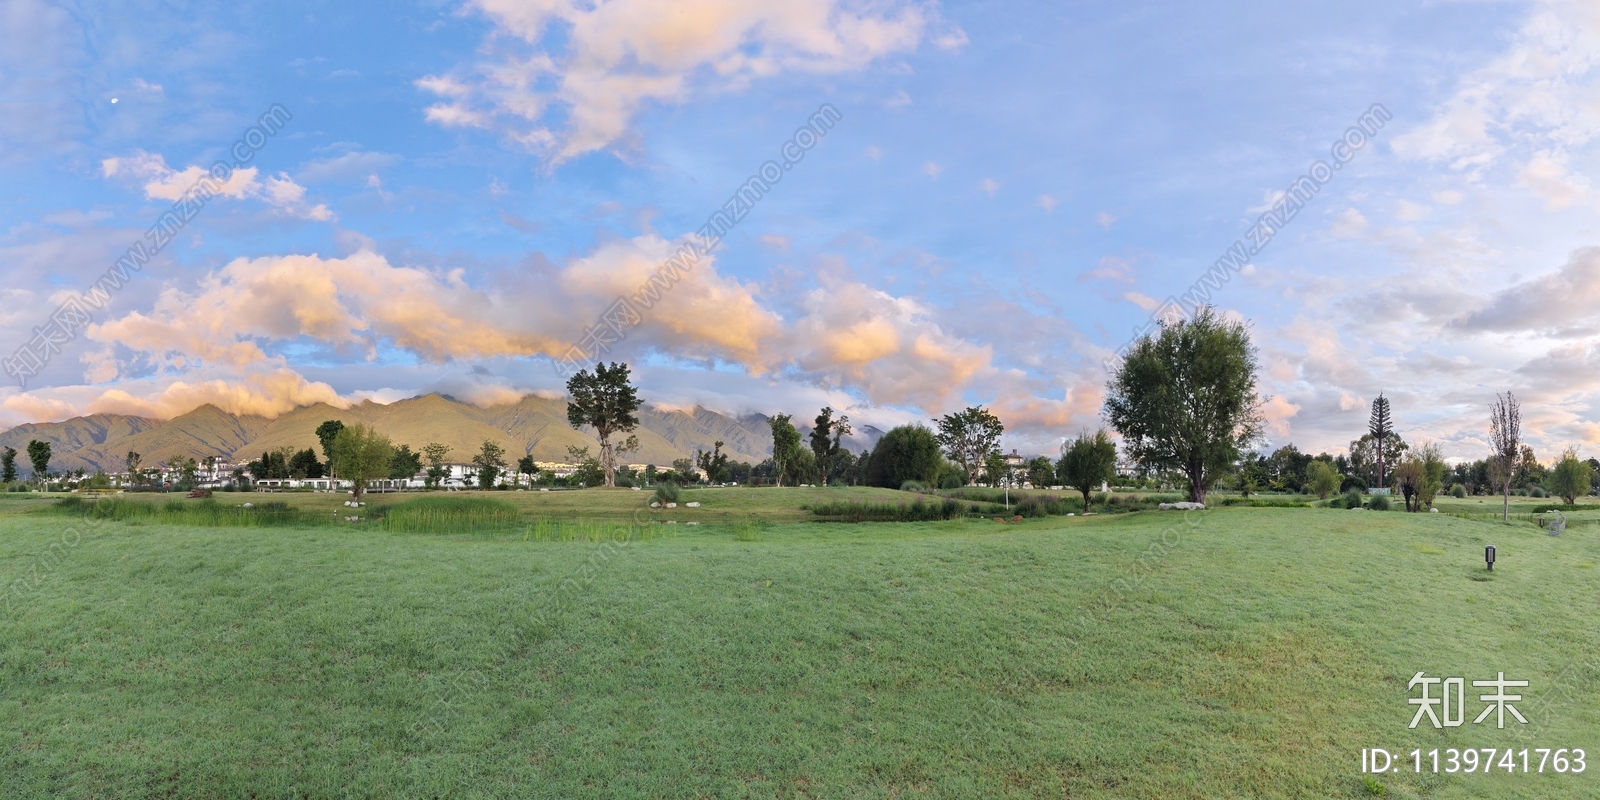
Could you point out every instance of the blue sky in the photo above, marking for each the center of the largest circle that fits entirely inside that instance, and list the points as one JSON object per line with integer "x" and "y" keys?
{"x": 464, "y": 187}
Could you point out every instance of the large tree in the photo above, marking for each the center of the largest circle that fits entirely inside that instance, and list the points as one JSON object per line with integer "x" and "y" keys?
{"x": 304, "y": 464}
{"x": 490, "y": 460}
{"x": 1379, "y": 426}
{"x": 714, "y": 464}
{"x": 906, "y": 453}
{"x": 1505, "y": 439}
{"x": 605, "y": 401}
{"x": 1322, "y": 479}
{"x": 825, "y": 439}
{"x": 435, "y": 453}
{"x": 785, "y": 445}
{"x": 1087, "y": 462}
{"x": 969, "y": 437}
{"x": 8, "y": 465}
{"x": 360, "y": 455}
{"x": 405, "y": 464}
{"x": 326, "y": 433}
{"x": 1186, "y": 400}
{"x": 1365, "y": 455}
{"x": 1571, "y": 478}
{"x": 39, "y": 457}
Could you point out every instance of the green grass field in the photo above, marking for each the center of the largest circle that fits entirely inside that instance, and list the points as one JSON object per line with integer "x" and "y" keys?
{"x": 1229, "y": 653}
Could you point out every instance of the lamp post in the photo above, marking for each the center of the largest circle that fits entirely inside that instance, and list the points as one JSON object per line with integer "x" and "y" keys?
{"x": 1488, "y": 556}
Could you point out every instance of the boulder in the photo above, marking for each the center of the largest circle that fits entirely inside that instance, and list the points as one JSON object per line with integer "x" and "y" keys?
{"x": 1185, "y": 506}
{"x": 655, "y": 504}
{"x": 691, "y": 505}
{"x": 672, "y": 505}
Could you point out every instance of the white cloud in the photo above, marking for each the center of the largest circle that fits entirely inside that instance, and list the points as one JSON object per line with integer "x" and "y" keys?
{"x": 597, "y": 65}
{"x": 1546, "y": 175}
{"x": 161, "y": 182}
{"x": 1542, "y": 91}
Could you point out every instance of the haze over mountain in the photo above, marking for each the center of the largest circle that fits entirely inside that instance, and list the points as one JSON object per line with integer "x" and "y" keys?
{"x": 533, "y": 425}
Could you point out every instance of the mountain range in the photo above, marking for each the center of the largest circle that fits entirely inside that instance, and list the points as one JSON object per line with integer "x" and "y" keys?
{"x": 534, "y": 426}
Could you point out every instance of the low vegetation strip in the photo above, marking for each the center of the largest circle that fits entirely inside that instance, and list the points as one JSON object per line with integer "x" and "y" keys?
{"x": 199, "y": 513}
{"x": 1263, "y": 502}
{"x": 919, "y": 510}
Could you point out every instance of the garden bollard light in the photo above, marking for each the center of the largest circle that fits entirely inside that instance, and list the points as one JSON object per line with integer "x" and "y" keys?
{"x": 1488, "y": 555}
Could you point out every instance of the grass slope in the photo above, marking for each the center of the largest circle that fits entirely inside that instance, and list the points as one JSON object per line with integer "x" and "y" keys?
{"x": 1251, "y": 655}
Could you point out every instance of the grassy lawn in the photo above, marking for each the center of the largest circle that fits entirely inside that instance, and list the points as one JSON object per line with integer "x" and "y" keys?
{"x": 716, "y": 504}
{"x": 1247, "y": 653}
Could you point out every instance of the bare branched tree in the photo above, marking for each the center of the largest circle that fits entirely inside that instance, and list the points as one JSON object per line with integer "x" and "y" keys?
{"x": 1505, "y": 435}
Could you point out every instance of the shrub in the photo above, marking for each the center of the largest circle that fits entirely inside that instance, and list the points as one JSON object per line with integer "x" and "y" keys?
{"x": 667, "y": 493}
{"x": 1379, "y": 502}
{"x": 913, "y": 486}
{"x": 1537, "y": 491}
{"x": 1352, "y": 499}
{"x": 1458, "y": 491}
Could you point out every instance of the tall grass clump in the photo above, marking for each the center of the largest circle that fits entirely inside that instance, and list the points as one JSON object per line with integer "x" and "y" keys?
{"x": 563, "y": 530}
{"x": 667, "y": 493}
{"x": 206, "y": 513}
{"x": 747, "y": 530}
{"x": 433, "y": 514}
{"x": 1046, "y": 506}
{"x": 919, "y": 510}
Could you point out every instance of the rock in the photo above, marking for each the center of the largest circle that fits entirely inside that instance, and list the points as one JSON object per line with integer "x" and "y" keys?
{"x": 1433, "y": 511}
{"x": 691, "y": 523}
{"x": 672, "y": 505}
{"x": 691, "y": 505}
{"x": 544, "y": 490}
{"x": 249, "y": 505}
{"x": 1070, "y": 514}
{"x": 1183, "y": 506}
{"x": 637, "y": 489}
{"x": 654, "y": 504}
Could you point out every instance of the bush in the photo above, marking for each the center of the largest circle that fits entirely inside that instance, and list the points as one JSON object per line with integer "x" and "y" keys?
{"x": 1351, "y": 499}
{"x": 913, "y": 486}
{"x": 667, "y": 493}
{"x": 1537, "y": 491}
{"x": 1458, "y": 491}
{"x": 1379, "y": 502}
